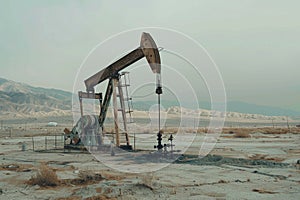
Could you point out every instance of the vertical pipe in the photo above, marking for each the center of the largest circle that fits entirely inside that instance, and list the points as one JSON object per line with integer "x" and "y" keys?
{"x": 80, "y": 104}
{"x": 158, "y": 91}
{"x": 115, "y": 105}
{"x": 81, "y": 118}
{"x": 158, "y": 113}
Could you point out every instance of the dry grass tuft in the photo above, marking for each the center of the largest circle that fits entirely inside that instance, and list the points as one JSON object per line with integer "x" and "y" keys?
{"x": 44, "y": 177}
{"x": 202, "y": 130}
{"x": 171, "y": 130}
{"x": 263, "y": 130}
{"x": 242, "y": 135}
{"x": 257, "y": 157}
{"x": 265, "y": 157}
{"x": 268, "y": 130}
{"x": 69, "y": 198}
{"x": 99, "y": 190}
{"x": 85, "y": 178}
{"x": 100, "y": 197}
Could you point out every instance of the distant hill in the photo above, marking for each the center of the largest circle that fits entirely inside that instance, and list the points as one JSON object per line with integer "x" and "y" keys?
{"x": 19, "y": 99}
{"x": 242, "y": 107}
{"x": 232, "y": 106}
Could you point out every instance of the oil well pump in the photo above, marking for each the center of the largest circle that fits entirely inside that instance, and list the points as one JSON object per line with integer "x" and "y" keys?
{"x": 90, "y": 128}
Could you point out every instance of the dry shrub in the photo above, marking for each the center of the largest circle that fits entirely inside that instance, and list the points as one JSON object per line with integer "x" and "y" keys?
{"x": 295, "y": 130}
{"x": 44, "y": 177}
{"x": 69, "y": 198}
{"x": 99, "y": 190}
{"x": 274, "y": 130}
{"x": 146, "y": 181}
{"x": 114, "y": 176}
{"x": 100, "y": 197}
{"x": 202, "y": 130}
{"x": 87, "y": 176}
{"x": 257, "y": 156}
{"x": 265, "y": 157}
{"x": 275, "y": 159}
{"x": 263, "y": 130}
{"x": 239, "y": 130}
{"x": 171, "y": 130}
{"x": 222, "y": 181}
{"x": 242, "y": 135}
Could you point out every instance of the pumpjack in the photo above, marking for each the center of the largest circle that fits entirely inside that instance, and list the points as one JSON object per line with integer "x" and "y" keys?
{"x": 89, "y": 128}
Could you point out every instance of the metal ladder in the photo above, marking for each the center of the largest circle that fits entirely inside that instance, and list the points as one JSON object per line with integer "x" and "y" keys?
{"x": 124, "y": 106}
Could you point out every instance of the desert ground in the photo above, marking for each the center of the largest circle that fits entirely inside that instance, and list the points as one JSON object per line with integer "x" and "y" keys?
{"x": 246, "y": 163}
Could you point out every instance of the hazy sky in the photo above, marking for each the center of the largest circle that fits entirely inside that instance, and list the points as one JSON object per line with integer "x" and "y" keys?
{"x": 255, "y": 43}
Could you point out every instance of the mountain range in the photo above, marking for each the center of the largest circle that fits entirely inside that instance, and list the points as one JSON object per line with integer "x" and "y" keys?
{"x": 22, "y": 100}
{"x": 232, "y": 106}
{"x": 19, "y": 99}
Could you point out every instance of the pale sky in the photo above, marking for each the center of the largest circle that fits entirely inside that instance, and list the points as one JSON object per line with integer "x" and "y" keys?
{"x": 255, "y": 43}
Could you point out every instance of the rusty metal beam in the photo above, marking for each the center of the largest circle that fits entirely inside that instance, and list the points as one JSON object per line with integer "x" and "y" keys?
{"x": 86, "y": 95}
{"x": 146, "y": 49}
{"x": 113, "y": 68}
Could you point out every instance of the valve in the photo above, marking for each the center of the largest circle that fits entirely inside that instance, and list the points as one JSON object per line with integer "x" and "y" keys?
{"x": 159, "y": 146}
{"x": 158, "y": 90}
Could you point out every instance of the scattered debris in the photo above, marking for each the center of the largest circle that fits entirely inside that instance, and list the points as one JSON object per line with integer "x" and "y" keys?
{"x": 263, "y": 191}
{"x": 280, "y": 177}
{"x": 52, "y": 124}
{"x": 144, "y": 185}
{"x": 16, "y": 167}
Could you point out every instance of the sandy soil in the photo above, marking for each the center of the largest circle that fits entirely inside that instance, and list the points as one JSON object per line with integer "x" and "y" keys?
{"x": 262, "y": 166}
